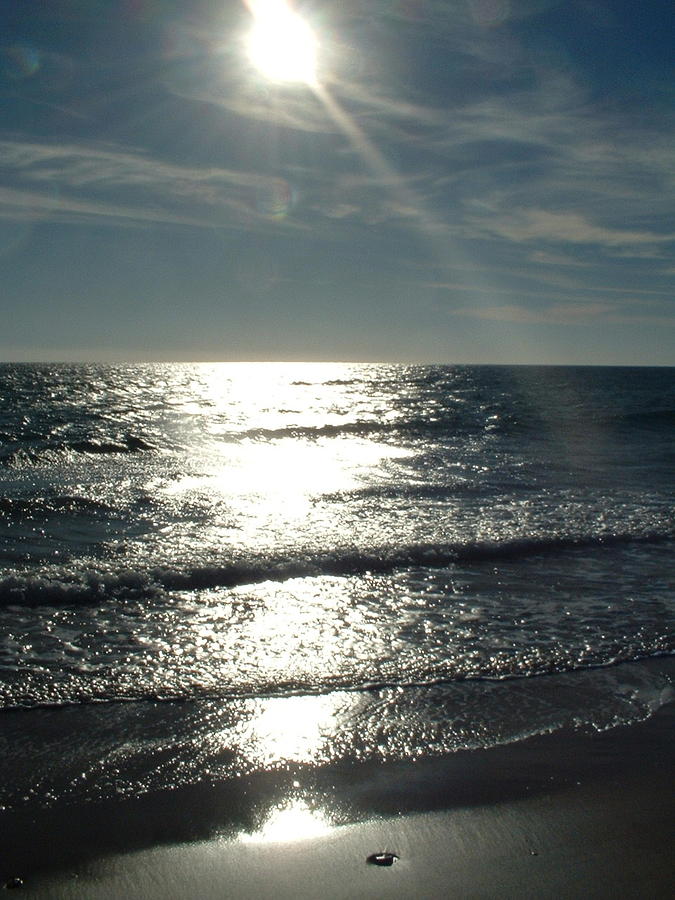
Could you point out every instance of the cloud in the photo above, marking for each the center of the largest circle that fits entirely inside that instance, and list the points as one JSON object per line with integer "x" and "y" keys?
{"x": 96, "y": 165}
{"x": 566, "y": 314}
{"x": 545, "y": 258}
{"x": 79, "y": 183}
{"x": 33, "y": 206}
{"x": 75, "y": 182}
{"x": 297, "y": 109}
{"x": 528, "y": 225}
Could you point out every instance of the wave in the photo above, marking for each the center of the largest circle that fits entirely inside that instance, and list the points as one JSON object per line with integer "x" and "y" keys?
{"x": 47, "y": 452}
{"x": 118, "y": 692}
{"x": 131, "y": 444}
{"x": 333, "y": 382}
{"x": 463, "y": 421}
{"x": 453, "y": 425}
{"x": 446, "y": 425}
{"x": 429, "y": 491}
{"x": 93, "y": 587}
{"x": 42, "y": 507}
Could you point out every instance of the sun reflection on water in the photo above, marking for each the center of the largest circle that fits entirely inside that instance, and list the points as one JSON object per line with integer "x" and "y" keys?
{"x": 266, "y": 439}
{"x": 291, "y": 466}
{"x": 291, "y": 729}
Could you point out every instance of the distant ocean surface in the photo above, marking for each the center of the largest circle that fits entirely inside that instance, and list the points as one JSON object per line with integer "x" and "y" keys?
{"x": 240, "y": 566}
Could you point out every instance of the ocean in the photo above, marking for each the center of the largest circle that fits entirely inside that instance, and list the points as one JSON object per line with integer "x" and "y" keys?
{"x": 213, "y": 570}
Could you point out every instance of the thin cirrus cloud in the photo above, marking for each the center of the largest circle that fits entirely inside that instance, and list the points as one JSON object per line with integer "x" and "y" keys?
{"x": 524, "y": 225}
{"x": 63, "y": 182}
{"x": 485, "y": 171}
{"x": 625, "y": 313}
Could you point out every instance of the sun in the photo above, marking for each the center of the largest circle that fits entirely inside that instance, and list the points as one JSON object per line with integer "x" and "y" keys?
{"x": 281, "y": 44}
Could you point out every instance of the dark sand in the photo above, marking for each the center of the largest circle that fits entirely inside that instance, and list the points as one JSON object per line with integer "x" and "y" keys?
{"x": 565, "y": 815}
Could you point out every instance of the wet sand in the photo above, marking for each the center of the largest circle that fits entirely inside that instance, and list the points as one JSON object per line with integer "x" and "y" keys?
{"x": 565, "y": 815}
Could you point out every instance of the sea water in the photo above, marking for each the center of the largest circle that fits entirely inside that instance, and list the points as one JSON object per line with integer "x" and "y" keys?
{"x": 237, "y": 567}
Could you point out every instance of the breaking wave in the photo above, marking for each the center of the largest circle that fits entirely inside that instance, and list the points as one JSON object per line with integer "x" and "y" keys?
{"x": 95, "y": 587}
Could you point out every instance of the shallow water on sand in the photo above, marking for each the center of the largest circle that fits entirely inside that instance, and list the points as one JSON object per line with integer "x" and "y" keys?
{"x": 320, "y": 562}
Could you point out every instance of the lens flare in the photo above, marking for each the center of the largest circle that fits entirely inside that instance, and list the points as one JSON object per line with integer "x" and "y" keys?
{"x": 20, "y": 62}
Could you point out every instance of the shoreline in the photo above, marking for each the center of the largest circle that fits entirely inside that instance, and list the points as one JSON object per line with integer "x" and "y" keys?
{"x": 565, "y": 814}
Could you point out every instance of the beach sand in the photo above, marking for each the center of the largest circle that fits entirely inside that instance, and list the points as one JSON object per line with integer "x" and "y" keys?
{"x": 564, "y": 815}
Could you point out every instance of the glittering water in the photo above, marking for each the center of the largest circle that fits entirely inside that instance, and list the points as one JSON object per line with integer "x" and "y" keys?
{"x": 329, "y": 561}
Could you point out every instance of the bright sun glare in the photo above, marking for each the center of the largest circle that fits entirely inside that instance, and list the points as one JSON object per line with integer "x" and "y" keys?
{"x": 281, "y": 44}
{"x": 294, "y": 822}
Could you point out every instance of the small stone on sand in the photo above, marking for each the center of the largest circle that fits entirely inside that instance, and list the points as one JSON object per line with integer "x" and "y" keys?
{"x": 382, "y": 859}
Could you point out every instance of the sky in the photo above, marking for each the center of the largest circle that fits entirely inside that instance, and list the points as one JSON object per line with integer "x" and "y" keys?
{"x": 457, "y": 181}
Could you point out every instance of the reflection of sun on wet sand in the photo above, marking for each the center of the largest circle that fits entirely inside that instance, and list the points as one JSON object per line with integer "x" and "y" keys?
{"x": 565, "y": 815}
{"x": 292, "y": 821}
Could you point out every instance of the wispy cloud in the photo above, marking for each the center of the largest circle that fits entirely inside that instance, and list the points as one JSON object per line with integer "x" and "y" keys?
{"x": 580, "y": 313}
{"x": 80, "y": 176}
{"x": 71, "y": 181}
{"x": 541, "y": 225}
{"x": 35, "y": 206}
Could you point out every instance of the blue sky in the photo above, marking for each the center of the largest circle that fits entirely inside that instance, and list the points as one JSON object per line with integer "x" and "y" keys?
{"x": 471, "y": 181}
